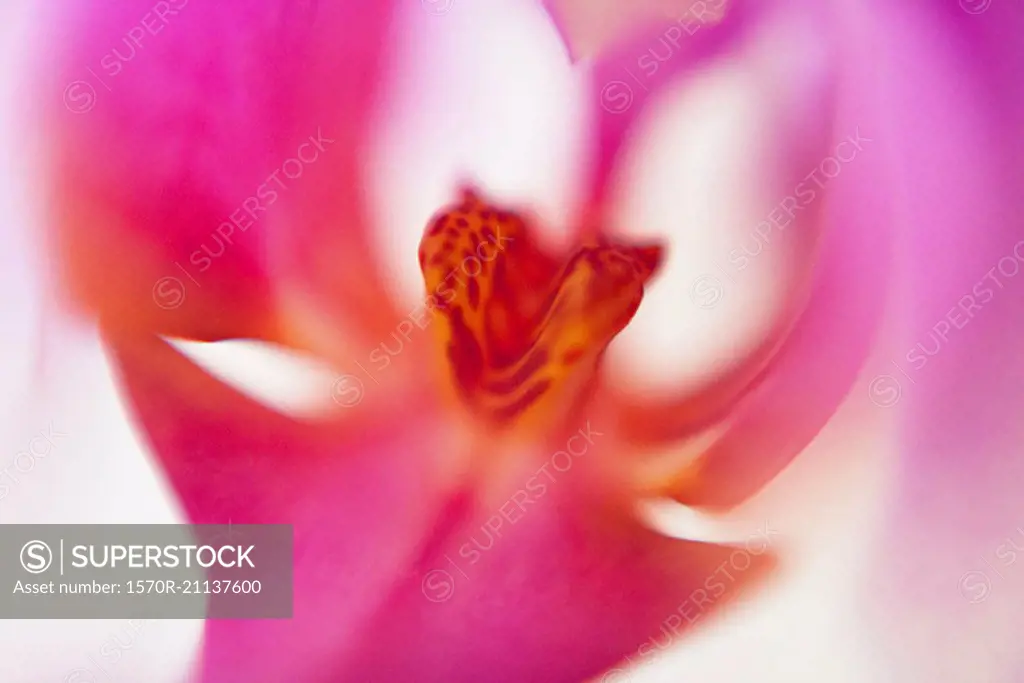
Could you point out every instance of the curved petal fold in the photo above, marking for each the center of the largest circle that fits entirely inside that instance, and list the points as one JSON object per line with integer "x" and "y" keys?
{"x": 772, "y": 402}
{"x": 796, "y": 101}
{"x": 408, "y": 570}
{"x": 360, "y": 500}
{"x": 627, "y": 77}
{"x": 514, "y": 577}
{"x": 177, "y": 134}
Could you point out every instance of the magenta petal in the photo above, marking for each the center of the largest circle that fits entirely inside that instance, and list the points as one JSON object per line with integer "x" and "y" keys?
{"x": 817, "y": 364}
{"x": 360, "y": 499}
{"x": 564, "y": 591}
{"x": 779, "y": 398}
{"x": 948, "y": 577}
{"x": 625, "y": 80}
{"x": 182, "y": 133}
{"x": 558, "y": 590}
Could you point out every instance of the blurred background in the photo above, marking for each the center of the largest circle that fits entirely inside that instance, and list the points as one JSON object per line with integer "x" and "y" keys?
{"x": 869, "y": 589}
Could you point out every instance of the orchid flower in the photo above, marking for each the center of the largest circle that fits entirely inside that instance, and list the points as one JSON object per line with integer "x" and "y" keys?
{"x": 468, "y": 508}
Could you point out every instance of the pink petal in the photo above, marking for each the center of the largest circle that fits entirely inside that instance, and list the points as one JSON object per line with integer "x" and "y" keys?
{"x": 948, "y": 578}
{"x": 570, "y": 588}
{"x": 779, "y": 397}
{"x": 567, "y": 587}
{"x": 590, "y": 26}
{"x": 361, "y": 500}
{"x": 173, "y": 132}
{"x": 624, "y": 83}
{"x": 819, "y": 360}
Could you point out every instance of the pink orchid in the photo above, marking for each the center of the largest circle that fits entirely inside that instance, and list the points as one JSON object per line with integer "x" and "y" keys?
{"x": 468, "y": 511}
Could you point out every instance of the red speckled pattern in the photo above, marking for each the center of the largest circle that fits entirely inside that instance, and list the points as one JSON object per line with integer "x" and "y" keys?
{"x": 517, "y": 324}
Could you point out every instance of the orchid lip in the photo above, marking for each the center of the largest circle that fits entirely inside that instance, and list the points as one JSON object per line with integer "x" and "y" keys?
{"x": 522, "y": 331}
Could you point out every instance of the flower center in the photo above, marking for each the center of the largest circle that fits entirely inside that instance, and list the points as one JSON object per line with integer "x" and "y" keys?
{"x": 522, "y": 330}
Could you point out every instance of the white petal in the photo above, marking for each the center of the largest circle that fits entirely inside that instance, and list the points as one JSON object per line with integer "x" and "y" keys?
{"x": 282, "y": 379}
{"x": 483, "y": 93}
{"x": 710, "y": 170}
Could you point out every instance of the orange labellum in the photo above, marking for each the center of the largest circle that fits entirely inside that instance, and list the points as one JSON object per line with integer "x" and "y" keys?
{"x": 522, "y": 332}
